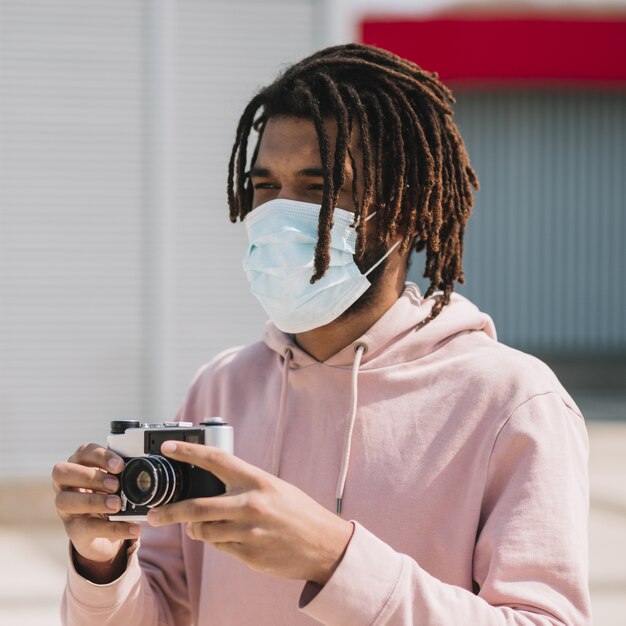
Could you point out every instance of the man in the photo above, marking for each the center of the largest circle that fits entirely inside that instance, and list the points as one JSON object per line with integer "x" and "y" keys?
{"x": 395, "y": 463}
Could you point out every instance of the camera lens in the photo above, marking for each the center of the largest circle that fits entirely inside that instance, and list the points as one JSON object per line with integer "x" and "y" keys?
{"x": 151, "y": 480}
{"x": 144, "y": 482}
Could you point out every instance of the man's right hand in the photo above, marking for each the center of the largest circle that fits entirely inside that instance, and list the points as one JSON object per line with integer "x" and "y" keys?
{"x": 85, "y": 486}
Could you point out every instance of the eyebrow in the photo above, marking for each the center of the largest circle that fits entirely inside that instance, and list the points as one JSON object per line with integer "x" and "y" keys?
{"x": 307, "y": 172}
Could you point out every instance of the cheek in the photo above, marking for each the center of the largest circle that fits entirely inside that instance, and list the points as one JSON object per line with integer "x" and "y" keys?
{"x": 345, "y": 200}
{"x": 260, "y": 196}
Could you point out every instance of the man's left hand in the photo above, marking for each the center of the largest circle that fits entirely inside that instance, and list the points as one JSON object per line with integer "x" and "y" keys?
{"x": 266, "y": 522}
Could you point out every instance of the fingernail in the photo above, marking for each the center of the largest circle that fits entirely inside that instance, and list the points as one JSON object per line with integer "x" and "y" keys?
{"x": 134, "y": 531}
{"x": 153, "y": 517}
{"x": 168, "y": 446}
{"x": 113, "y": 503}
{"x": 115, "y": 464}
{"x": 110, "y": 484}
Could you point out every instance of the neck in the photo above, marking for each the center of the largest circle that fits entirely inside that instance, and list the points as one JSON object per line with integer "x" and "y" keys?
{"x": 322, "y": 343}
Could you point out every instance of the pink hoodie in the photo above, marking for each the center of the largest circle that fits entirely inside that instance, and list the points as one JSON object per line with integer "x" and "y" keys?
{"x": 465, "y": 474}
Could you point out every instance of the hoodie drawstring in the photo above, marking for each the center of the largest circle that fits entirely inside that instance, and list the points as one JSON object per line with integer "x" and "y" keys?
{"x": 280, "y": 422}
{"x": 347, "y": 439}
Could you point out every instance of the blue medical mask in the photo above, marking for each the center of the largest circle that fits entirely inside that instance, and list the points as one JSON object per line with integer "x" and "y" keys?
{"x": 282, "y": 237}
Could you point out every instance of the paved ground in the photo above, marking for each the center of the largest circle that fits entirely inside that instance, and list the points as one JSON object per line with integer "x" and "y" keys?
{"x": 33, "y": 556}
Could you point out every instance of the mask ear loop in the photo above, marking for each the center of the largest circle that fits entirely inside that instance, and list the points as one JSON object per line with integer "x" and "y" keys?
{"x": 395, "y": 245}
{"x": 371, "y": 269}
{"x": 368, "y": 218}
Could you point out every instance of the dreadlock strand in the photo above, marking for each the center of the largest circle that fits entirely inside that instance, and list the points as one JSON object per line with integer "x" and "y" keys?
{"x": 380, "y": 158}
{"x": 399, "y": 158}
{"x": 377, "y": 55}
{"x": 241, "y": 138}
{"x": 368, "y": 188}
{"x": 343, "y": 136}
{"x": 420, "y": 80}
{"x": 420, "y": 180}
{"x": 355, "y": 190}
{"x": 378, "y": 134}
{"x": 435, "y": 209}
{"x": 322, "y": 252}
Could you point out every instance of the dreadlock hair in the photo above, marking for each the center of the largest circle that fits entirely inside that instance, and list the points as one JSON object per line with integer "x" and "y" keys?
{"x": 416, "y": 171}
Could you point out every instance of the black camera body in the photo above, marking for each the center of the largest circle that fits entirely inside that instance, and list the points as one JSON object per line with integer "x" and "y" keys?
{"x": 149, "y": 479}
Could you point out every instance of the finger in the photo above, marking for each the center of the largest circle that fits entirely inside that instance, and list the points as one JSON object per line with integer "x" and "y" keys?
{"x": 214, "y": 532}
{"x": 218, "y": 508}
{"x": 96, "y": 527}
{"x": 94, "y": 455}
{"x": 227, "y": 467}
{"x": 71, "y": 475}
{"x": 234, "y": 548}
{"x": 76, "y": 503}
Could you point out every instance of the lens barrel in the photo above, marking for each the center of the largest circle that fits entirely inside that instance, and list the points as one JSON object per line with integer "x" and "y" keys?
{"x": 151, "y": 481}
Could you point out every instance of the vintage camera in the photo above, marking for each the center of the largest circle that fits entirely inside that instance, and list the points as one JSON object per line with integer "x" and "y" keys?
{"x": 150, "y": 479}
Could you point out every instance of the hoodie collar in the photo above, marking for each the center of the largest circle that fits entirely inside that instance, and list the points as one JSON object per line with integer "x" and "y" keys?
{"x": 398, "y": 335}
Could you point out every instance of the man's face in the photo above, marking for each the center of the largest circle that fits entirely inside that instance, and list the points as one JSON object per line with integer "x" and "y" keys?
{"x": 289, "y": 166}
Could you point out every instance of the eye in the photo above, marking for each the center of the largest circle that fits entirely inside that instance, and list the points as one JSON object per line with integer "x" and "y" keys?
{"x": 319, "y": 187}
{"x": 265, "y": 186}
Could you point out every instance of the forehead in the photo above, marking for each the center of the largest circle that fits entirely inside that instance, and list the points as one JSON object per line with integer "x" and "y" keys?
{"x": 286, "y": 139}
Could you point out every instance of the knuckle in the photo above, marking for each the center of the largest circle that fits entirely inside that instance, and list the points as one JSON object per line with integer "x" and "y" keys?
{"x": 215, "y": 455}
{"x": 196, "y": 508}
{"x": 118, "y": 529}
{"x": 84, "y": 448}
{"x": 59, "y": 501}
{"x": 82, "y": 526}
{"x": 82, "y": 451}
{"x": 95, "y": 502}
{"x": 210, "y": 532}
{"x": 255, "y": 505}
{"x": 201, "y": 531}
{"x": 96, "y": 480}
{"x": 58, "y": 471}
{"x": 254, "y": 533}
{"x": 192, "y": 530}
{"x": 244, "y": 550}
{"x": 222, "y": 457}
{"x": 264, "y": 482}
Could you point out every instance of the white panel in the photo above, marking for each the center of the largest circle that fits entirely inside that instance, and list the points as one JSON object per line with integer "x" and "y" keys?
{"x": 111, "y": 296}
{"x": 70, "y": 225}
{"x": 226, "y": 50}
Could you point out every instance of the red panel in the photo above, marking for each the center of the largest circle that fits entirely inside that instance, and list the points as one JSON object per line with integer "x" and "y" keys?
{"x": 509, "y": 49}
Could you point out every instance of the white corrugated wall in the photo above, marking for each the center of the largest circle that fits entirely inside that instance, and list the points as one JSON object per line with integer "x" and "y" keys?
{"x": 71, "y": 226}
{"x": 120, "y": 273}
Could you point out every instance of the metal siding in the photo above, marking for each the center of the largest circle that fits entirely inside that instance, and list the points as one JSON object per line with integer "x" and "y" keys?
{"x": 544, "y": 253}
{"x": 111, "y": 298}
{"x": 70, "y": 225}
{"x": 223, "y": 58}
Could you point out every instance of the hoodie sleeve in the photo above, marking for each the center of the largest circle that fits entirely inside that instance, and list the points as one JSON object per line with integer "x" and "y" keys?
{"x": 152, "y": 591}
{"x": 530, "y": 557}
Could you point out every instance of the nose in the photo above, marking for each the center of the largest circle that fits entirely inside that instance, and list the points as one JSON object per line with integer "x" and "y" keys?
{"x": 287, "y": 192}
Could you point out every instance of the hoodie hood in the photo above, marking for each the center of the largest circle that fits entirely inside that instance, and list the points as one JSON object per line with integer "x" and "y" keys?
{"x": 398, "y": 336}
